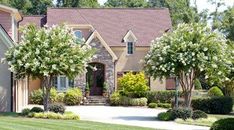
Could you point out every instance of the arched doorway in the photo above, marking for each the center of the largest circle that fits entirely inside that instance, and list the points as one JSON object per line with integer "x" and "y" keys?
{"x": 95, "y": 77}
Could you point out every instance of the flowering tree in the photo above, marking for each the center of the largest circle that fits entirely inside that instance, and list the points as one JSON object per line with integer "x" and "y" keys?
{"x": 187, "y": 52}
{"x": 47, "y": 52}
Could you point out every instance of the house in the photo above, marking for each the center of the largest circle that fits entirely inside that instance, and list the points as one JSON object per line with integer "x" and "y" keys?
{"x": 121, "y": 37}
{"x": 12, "y": 92}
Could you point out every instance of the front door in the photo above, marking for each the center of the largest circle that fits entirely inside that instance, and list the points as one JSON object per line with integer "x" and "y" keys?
{"x": 95, "y": 78}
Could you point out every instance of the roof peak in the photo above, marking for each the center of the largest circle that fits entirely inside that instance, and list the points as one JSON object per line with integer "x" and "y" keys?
{"x": 161, "y": 8}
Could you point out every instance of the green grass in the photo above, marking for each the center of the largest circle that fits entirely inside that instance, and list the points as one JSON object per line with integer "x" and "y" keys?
{"x": 205, "y": 122}
{"x": 11, "y": 121}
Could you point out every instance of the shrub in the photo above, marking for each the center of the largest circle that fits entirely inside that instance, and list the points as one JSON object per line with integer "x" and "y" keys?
{"x": 152, "y": 105}
{"x": 161, "y": 96}
{"x": 25, "y": 112}
{"x": 199, "y": 114}
{"x": 115, "y": 99}
{"x": 52, "y": 115}
{"x": 36, "y": 109}
{"x": 182, "y": 113}
{"x": 134, "y": 85}
{"x": 36, "y": 97}
{"x": 73, "y": 96}
{"x": 136, "y": 102}
{"x": 197, "y": 84}
{"x": 60, "y": 97}
{"x": 223, "y": 124}
{"x": 53, "y": 95}
{"x": 57, "y": 108}
{"x": 165, "y": 116}
{"x": 214, "y": 105}
{"x": 215, "y": 92}
{"x": 164, "y": 105}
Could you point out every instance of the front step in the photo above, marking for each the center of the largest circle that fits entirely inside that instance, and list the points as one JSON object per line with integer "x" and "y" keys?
{"x": 95, "y": 100}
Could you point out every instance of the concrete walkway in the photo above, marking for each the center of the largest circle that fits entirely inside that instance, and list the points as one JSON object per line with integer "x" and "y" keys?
{"x": 135, "y": 116}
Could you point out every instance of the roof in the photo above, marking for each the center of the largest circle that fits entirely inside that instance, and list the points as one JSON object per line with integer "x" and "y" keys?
{"x": 38, "y": 20}
{"x": 15, "y": 13}
{"x": 113, "y": 23}
{"x": 5, "y": 37}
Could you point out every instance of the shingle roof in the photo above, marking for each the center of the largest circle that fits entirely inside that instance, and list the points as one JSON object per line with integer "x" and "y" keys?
{"x": 39, "y": 20}
{"x": 114, "y": 23}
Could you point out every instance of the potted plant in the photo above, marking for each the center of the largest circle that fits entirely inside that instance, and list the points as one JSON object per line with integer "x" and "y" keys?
{"x": 105, "y": 90}
{"x": 87, "y": 90}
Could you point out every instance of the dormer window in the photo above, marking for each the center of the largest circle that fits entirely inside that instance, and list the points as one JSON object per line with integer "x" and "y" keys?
{"x": 130, "y": 47}
{"x": 78, "y": 34}
{"x": 130, "y": 40}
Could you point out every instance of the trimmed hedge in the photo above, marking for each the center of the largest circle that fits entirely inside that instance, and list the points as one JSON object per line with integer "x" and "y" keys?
{"x": 165, "y": 116}
{"x": 57, "y": 108}
{"x": 215, "y": 92}
{"x": 152, "y": 105}
{"x": 36, "y": 109}
{"x": 182, "y": 113}
{"x": 116, "y": 99}
{"x": 25, "y": 112}
{"x": 161, "y": 96}
{"x": 73, "y": 96}
{"x": 164, "y": 105}
{"x": 199, "y": 114}
{"x": 214, "y": 105}
{"x": 223, "y": 124}
{"x": 52, "y": 115}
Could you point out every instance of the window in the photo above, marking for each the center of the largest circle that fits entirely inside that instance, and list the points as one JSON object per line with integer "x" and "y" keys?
{"x": 62, "y": 83}
{"x": 130, "y": 47}
{"x": 78, "y": 34}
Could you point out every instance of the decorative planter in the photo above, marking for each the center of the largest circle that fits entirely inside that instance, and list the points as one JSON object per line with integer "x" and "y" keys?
{"x": 87, "y": 93}
{"x": 105, "y": 94}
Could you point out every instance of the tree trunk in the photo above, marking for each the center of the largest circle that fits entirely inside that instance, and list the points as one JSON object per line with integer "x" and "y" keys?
{"x": 46, "y": 91}
{"x": 187, "y": 99}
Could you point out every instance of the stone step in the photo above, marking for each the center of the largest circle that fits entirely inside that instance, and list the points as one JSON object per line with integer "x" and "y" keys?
{"x": 95, "y": 100}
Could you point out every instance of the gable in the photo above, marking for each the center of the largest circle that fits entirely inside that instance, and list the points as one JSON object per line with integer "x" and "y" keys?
{"x": 95, "y": 34}
{"x": 5, "y": 38}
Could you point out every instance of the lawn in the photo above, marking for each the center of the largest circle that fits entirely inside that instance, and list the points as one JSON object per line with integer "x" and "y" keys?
{"x": 10, "y": 121}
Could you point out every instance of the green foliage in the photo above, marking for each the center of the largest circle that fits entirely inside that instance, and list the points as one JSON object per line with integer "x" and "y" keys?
{"x": 133, "y": 85}
{"x": 197, "y": 84}
{"x": 105, "y": 86}
{"x": 215, "y": 92}
{"x": 183, "y": 113}
{"x": 187, "y": 52}
{"x": 36, "y": 97}
{"x": 36, "y": 109}
{"x": 152, "y": 105}
{"x": 25, "y": 112}
{"x": 57, "y": 108}
{"x": 52, "y": 115}
{"x": 223, "y": 124}
{"x": 53, "y": 95}
{"x": 60, "y": 97}
{"x": 36, "y": 7}
{"x": 78, "y": 3}
{"x": 199, "y": 114}
{"x": 166, "y": 116}
{"x": 125, "y": 3}
{"x": 73, "y": 96}
{"x": 115, "y": 99}
{"x": 161, "y": 96}
{"x": 164, "y": 105}
{"x": 214, "y": 105}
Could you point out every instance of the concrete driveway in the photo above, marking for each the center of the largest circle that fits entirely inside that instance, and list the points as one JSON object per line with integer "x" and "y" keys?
{"x": 135, "y": 116}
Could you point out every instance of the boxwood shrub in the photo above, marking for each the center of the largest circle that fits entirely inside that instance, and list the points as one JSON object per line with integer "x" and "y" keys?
{"x": 198, "y": 114}
{"x": 166, "y": 116}
{"x": 213, "y": 105}
{"x": 215, "y": 92}
{"x": 152, "y": 105}
{"x": 73, "y": 96}
{"x": 57, "y": 108}
{"x": 223, "y": 124}
{"x": 164, "y": 96}
{"x": 183, "y": 113}
{"x": 36, "y": 109}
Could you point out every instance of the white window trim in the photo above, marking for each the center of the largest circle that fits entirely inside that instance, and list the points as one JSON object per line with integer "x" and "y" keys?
{"x": 133, "y": 48}
{"x": 59, "y": 85}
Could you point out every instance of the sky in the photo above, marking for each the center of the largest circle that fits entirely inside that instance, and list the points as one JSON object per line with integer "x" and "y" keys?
{"x": 202, "y": 4}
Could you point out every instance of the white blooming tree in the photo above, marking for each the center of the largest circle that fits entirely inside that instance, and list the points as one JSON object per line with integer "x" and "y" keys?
{"x": 187, "y": 52}
{"x": 47, "y": 52}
